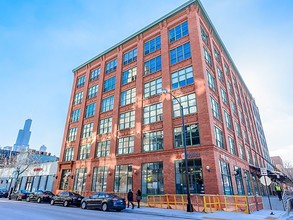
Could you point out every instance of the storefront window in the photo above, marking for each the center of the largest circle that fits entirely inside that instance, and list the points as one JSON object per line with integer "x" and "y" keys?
{"x": 64, "y": 179}
{"x": 29, "y": 182}
{"x": 79, "y": 180}
{"x": 152, "y": 178}
{"x": 194, "y": 174}
{"x": 123, "y": 178}
{"x": 50, "y": 183}
{"x": 226, "y": 178}
{"x": 100, "y": 179}
{"x": 43, "y": 183}
{"x": 239, "y": 181}
{"x": 248, "y": 182}
{"x": 36, "y": 183}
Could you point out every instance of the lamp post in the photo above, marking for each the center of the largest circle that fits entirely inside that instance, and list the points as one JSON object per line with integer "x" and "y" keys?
{"x": 189, "y": 205}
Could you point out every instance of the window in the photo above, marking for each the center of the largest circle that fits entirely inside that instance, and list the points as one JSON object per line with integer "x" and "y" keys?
{"x": 105, "y": 126}
{"x": 207, "y": 57}
{"x": 64, "y": 180}
{"x": 103, "y": 149}
{"x": 152, "y": 65}
{"x": 188, "y": 103}
{"x": 153, "y": 88}
{"x": 233, "y": 106}
{"x": 180, "y": 53}
{"x": 220, "y": 74}
{"x": 245, "y": 137}
{"x": 90, "y": 110}
{"x": 75, "y": 115}
{"x": 211, "y": 81}
{"x": 109, "y": 84}
{"x": 217, "y": 55}
{"x": 192, "y": 136}
{"x": 123, "y": 178}
{"x": 129, "y": 76}
{"x": 152, "y": 178}
{"x": 99, "y": 183}
{"x": 69, "y": 152}
{"x": 226, "y": 178}
{"x": 152, "y": 113}
{"x": 95, "y": 74}
{"x": 248, "y": 183}
{"x": 219, "y": 138}
{"x": 80, "y": 81}
{"x": 215, "y": 109}
{"x": 92, "y": 92}
{"x": 84, "y": 152}
{"x": 241, "y": 116}
{"x": 224, "y": 96}
{"x": 152, "y": 45}
{"x": 72, "y": 134}
{"x": 178, "y": 32}
{"x": 111, "y": 66}
{"x": 232, "y": 145}
{"x": 126, "y": 145}
{"x": 242, "y": 152}
{"x": 182, "y": 78}
{"x": 107, "y": 103}
{"x": 127, "y": 120}
{"x": 153, "y": 141}
{"x": 226, "y": 69}
{"x": 78, "y": 98}
{"x": 237, "y": 128}
{"x": 130, "y": 56}
{"x": 87, "y": 130}
{"x": 128, "y": 97}
{"x": 228, "y": 120}
{"x": 230, "y": 88}
{"x": 204, "y": 36}
{"x": 80, "y": 180}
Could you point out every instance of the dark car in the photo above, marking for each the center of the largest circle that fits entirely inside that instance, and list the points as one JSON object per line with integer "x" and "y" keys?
{"x": 104, "y": 201}
{"x": 20, "y": 194}
{"x": 3, "y": 193}
{"x": 40, "y": 196}
{"x": 67, "y": 198}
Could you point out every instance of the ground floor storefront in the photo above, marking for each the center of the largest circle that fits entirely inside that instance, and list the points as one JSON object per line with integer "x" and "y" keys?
{"x": 35, "y": 177}
{"x": 210, "y": 171}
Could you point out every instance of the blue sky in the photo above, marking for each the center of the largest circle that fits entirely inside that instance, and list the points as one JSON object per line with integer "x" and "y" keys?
{"x": 42, "y": 41}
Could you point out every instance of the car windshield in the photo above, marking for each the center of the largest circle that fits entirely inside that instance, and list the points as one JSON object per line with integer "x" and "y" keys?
{"x": 48, "y": 192}
{"x": 24, "y": 191}
{"x": 76, "y": 194}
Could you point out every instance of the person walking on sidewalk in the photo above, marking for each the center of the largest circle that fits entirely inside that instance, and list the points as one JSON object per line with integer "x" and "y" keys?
{"x": 138, "y": 197}
{"x": 130, "y": 199}
{"x": 279, "y": 191}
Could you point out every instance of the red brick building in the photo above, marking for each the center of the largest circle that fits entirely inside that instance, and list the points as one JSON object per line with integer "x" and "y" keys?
{"x": 123, "y": 133}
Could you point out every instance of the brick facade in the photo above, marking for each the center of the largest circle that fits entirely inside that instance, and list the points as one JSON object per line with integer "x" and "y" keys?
{"x": 207, "y": 152}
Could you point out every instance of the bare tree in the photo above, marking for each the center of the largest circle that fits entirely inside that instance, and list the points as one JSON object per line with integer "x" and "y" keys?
{"x": 20, "y": 164}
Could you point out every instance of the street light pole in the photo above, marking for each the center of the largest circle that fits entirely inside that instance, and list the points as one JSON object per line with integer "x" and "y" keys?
{"x": 189, "y": 205}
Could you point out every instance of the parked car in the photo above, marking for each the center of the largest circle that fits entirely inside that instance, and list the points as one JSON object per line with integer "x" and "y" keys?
{"x": 40, "y": 196}
{"x": 67, "y": 198}
{"x": 104, "y": 201}
{"x": 20, "y": 194}
{"x": 3, "y": 193}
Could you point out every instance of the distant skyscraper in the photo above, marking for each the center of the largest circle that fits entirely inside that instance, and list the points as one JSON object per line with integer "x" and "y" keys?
{"x": 23, "y": 137}
{"x": 43, "y": 148}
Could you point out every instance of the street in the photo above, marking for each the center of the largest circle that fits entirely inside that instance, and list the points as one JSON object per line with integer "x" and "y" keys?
{"x": 11, "y": 210}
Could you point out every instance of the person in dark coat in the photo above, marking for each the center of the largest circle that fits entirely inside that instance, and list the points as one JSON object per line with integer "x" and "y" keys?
{"x": 138, "y": 197}
{"x": 130, "y": 198}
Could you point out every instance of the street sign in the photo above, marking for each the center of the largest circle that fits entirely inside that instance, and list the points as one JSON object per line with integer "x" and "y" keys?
{"x": 263, "y": 171}
{"x": 265, "y": 180}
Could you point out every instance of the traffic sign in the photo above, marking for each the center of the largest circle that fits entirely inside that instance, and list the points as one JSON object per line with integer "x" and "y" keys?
{"x": 263, "y": 171}
{"x": 265, "y": 180}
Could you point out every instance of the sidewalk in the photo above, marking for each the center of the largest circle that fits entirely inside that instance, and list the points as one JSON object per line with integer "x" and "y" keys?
{"x": 263, "y": 214}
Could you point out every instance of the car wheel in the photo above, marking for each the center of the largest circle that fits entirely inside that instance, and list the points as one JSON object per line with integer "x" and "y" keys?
{"x": 83, "y": 205}
{"x": 105, "y": 207}
{"x": 18, "y": 198}
{"x": 65, "y": 204}
{"x": 52, "y": 202}
{"x": 39, "y": 200}
{"x": 28, "y": 199}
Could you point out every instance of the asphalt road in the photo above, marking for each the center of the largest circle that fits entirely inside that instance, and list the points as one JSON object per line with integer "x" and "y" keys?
{"x": 14, "y": 210}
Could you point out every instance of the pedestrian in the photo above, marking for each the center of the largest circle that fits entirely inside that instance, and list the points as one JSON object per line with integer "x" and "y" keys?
{"x": 130, "y": 199}
{"x": 138, "y": 197}
{"x": 279, "y": 191}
